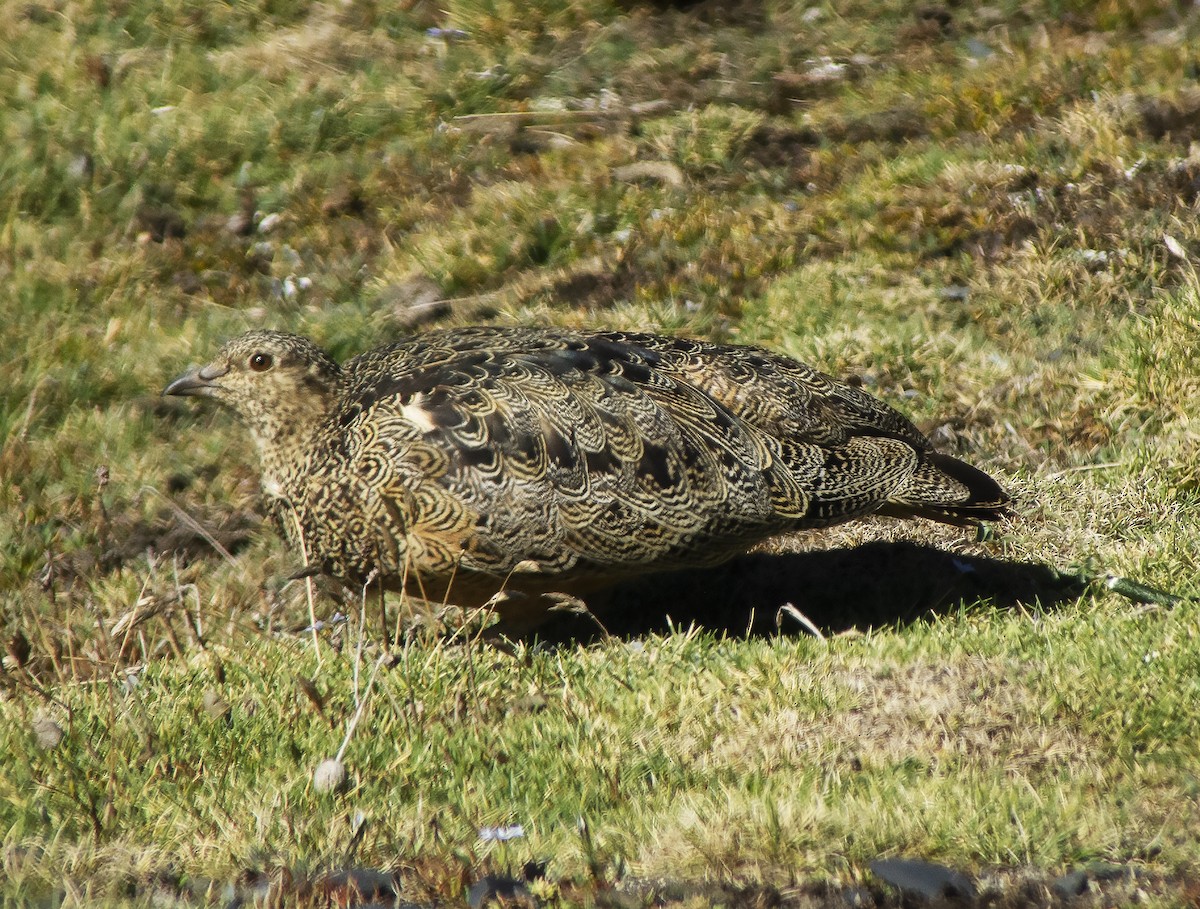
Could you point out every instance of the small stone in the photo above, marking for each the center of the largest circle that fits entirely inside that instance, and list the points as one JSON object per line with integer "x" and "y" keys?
{"x": 159, "y": 223}
{"x": 977, "y": 50}
{"x": 82, "y": 167}
{"x": 1073, "y": 884}
{"x": 496, "y": 889}
{"x": 650, "y": 108}
{"x": 344, "y": 199}
{"x": 531, "y": 703}
{"x": 47, "y": 732}
{"x": 290, "y": 257}
{"x": 216, "y": 706}
{"x": 414, "y": 302}
{"x": 355, "y": 886}
{"x": 240, "y": 224}
{"x": 924, "y": 879}
{"x": 663, "y": 172}
{"x": 19, "y": 649}
{"x": 187, "y": 282}
{"x": 1107, "y": 871}
{"x": 99, "y": 68}
{"x": 329, "y": 776}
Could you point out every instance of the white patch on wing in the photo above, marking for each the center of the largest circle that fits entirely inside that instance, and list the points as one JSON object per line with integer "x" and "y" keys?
{"x": 418, "y": 415}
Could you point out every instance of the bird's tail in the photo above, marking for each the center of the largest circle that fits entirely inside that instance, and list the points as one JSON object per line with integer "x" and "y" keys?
{"x": 948, "y": 490}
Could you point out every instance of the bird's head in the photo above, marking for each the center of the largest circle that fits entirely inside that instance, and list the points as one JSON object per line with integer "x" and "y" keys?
{"x": 279, "y": 384}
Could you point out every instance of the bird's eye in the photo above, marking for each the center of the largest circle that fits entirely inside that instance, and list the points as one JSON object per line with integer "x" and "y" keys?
{"x": 261, "y": 362}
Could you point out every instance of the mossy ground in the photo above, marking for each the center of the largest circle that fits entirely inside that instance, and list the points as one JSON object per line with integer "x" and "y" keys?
{"x": 987, "y": 214}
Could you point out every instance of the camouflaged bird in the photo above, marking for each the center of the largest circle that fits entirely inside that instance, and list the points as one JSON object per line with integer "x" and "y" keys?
{"x": 464, "y": 461}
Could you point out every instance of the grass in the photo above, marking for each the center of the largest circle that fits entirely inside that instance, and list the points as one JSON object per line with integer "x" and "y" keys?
{"x": 989, "y": 219}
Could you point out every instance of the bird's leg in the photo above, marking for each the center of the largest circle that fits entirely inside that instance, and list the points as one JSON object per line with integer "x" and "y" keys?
{"x": 376, "y": 577}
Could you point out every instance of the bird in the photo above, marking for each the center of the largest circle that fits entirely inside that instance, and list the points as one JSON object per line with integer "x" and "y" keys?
{"x": 475, "y": 465}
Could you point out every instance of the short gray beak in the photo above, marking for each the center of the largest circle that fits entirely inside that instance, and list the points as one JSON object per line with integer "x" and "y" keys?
{"x": 199, "y": 380}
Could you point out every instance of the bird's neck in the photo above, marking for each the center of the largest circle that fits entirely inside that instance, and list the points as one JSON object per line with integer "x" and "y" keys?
{"x": 285, "y": 451}
{"x": 283, "y": 464}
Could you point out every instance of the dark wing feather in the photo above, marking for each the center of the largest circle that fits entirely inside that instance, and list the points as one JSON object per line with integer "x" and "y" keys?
{"x": 872, "y": 458}
{"x": 779, "y": 395}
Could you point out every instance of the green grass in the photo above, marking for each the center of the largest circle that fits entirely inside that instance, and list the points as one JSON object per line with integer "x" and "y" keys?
{"x": 992, "y": 225}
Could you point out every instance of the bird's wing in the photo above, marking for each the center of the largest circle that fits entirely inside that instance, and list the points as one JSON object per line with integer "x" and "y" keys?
{"x": 570, "y": 451}
{"x": 873, "y": 458}
{"x": 779, "y": 395}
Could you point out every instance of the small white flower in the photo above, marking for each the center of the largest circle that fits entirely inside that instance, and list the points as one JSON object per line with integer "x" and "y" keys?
{"x": 501, "y": 834}
{"x": 1131, "y": 172}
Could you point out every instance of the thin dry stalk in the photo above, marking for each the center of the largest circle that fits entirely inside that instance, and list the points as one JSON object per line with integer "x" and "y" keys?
{"x": 308, "y": 590}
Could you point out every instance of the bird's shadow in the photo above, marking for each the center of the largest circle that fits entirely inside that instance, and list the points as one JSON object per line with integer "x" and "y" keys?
{"x": 871, "y": 585}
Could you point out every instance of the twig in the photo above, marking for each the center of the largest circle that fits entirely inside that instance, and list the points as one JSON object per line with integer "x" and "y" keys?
{"x": 541, "y": 115}
{"x": 194, "y": 524}
{"x": 1084, "y": 468}
{"x": 193, "y": 624}
{"x": 362, "y": 630}
{"x": 641, "y": 108}
{"x": 805, "y": 622}
{"x": 1134, "y": 591}
{"x": 308, "y": 589}
{"x": 353, "y": 724}
{"x": 1138, "y": 592}
{"x": 27, "y": 418}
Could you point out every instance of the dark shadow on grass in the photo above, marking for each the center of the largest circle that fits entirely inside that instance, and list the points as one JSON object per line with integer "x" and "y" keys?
{"x": 876, "y": 584}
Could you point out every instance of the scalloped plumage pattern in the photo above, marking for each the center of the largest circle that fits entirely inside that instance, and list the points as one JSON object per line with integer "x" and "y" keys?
{"x": 464, "y": 460}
